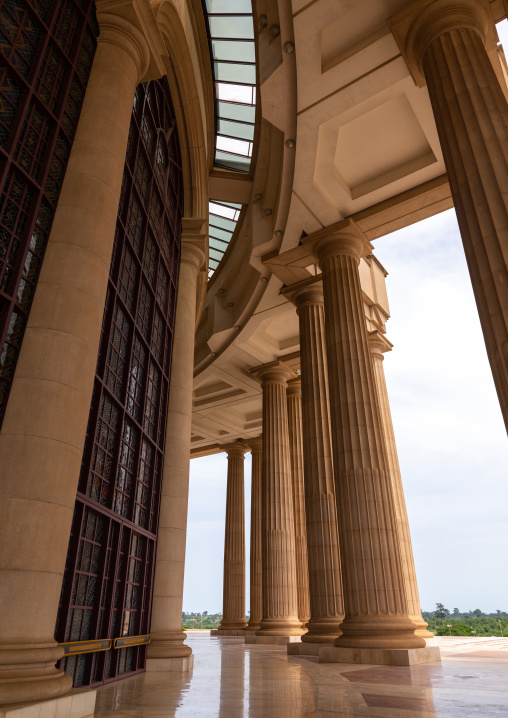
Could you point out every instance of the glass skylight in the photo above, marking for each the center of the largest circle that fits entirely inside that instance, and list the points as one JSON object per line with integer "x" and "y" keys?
{"x": 231, "y": 36}
{"x": 231, "y": 33}
{"x": 223, "y": 218}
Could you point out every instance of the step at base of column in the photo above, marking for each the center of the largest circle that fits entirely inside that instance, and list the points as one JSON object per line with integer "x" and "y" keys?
{"x": 170, "y": 665}
{"x": 75, "y": 705}
{"x": 228, "y": 632}
{"x": 380, "y": 656}
{"x": 305, "y": 649}
{"x": 271, "y": 640}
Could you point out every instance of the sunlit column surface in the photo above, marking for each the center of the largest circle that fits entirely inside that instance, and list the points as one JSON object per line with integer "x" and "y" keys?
{"x": 444, "y": 44}
{"x": 280, "y": 597}
{"x": 294, "y": 394}
{"x": 376, "y": 611}
{"x": 233, "y": 611}
{"x": 43, "y": 433}
{"x": 379, "y": 345}
{"x": 167, "y": 648}
{"x": 256, "y": 552}
{"x": 322, "y": 531}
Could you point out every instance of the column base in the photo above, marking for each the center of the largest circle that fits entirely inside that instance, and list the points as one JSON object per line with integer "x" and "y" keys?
{"x": 380, "y": 656}
{"x": 182, "y": 664}
{"x": 75, "y": 705}
{"x": 229, "y": 632}
{"x": 271, "y": 640}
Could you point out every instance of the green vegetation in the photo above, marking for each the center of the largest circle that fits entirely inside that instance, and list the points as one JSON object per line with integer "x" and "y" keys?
{"x": 443, "y": 622}
{"x": 201, "y": 620}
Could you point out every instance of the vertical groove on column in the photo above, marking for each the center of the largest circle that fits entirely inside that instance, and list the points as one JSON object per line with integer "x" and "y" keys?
{"x": 294, "y": 399}
{"x": 256, "y": 554}
{"x": 280, "y": 602}
{"x": 322, "y": 530}
{"x": 233, "y": 612}
{"x": 376, "y": 612}
{"x": 471, "y": 115}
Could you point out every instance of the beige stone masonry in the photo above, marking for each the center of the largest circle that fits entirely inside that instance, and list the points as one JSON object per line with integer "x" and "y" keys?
{"x": 233, "y": 611}
{"x": 378, "y": 345}
{"x": 294, "y": 396}
{"x": 256, "y": 551}
{"x": 167, "y": 646}
{"x": 376, "y": 611}
{"x": 280, "y": 596}
{"x": 445, "y": 44}
{"x": 44, "y": 429}
{"x": 326, "y": 602}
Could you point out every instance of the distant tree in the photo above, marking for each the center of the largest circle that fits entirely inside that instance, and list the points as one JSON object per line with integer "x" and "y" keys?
{"x": 498, "y": 612}
{"x": 205, "y": 613}
{"x": 477, "y": 613}
{"x": 440, "y": 611}
{"x": 456, "y": 612}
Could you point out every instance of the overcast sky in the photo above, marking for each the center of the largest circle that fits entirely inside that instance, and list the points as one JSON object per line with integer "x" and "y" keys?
{"x": 450, "y": 435}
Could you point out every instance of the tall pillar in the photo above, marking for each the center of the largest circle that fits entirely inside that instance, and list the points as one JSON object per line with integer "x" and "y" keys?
{"x": 327, "y": 610}
{"x": 43, "y": 433}
{"x": 379, "y": 345}
{"x": 294, "y": 396}
{"x": 256, "y": 552}
{"x": 167, "y": 650}
{"x": 280, "y": 597}
{"x": 233, "y": 611}
{"x": 444, "y": 44}
{"x": 376, "y": 611}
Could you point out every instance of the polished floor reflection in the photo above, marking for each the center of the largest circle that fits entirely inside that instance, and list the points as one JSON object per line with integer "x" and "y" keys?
{"x": 233, "y": 681}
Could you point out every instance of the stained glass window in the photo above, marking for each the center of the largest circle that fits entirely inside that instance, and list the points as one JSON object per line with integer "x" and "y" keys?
{"x": 124, "y": 449}
{"x": 40, "y": 42}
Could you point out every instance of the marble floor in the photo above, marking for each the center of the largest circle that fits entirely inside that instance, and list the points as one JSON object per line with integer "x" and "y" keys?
{"x": 231, "y": 680}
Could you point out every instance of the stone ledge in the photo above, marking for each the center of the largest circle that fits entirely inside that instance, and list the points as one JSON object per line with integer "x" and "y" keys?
{"x": 169, "y": 665}
{"x": 271, "y": 640}
{"x": 74, "y": 705}
{"x": 306, "y": 648}
{"x": 380, "y": 656}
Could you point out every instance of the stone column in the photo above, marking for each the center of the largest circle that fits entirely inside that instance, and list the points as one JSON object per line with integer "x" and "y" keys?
{"x": 327, "y": 610}
{"x": 256, "y": 553}
{"x": 294, "y": 396}
{"x": 376, "y": 611}
{"x": 43, "y": 433}
{"x": 233, "y": 611}
{"x": 167, "y": 650}
{"x": 280, "y": 597}
{"x": 378, "y": 345}
{"x": 444, "y": 45}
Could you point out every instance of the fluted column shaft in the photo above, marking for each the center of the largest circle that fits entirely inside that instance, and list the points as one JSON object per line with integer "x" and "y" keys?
{"x": 327, "y": 610}
{"x": 408, "y": 565}
{"x": 280, "y": 596}
{"x": 233, "y": 611}
{"x": 294, "y": 396}
{"x": 256, "y": 550}
{"x": 471, "y": 115}
{"x": 376, "y": 612}
{"x": 444, "y": 44}
{"x": 43, "y": 433}
{"x": 167, "y": 640}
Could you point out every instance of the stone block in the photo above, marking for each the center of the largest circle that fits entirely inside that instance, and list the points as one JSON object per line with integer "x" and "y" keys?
{"x": 380, "y": 656}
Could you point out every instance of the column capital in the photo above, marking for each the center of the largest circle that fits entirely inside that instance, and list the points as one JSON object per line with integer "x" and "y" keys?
{"x": 379, "y": 344}
{"x": 276, "y": 372}
{"x": 416, "y": 26}
{"x": 130, "y": 25}
{"x": 256, "y": 445}
{"x": 236, "y": 449}
{"x": 346, "y": 238}
{"x": 295, "y": 387}
{"x": 308, "y": 292}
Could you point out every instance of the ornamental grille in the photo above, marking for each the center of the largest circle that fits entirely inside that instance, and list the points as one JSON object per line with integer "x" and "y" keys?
{"x": 46, "y": 49}
{"x": 107, "y": 587}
